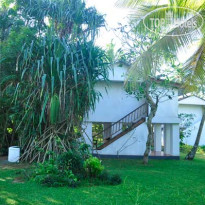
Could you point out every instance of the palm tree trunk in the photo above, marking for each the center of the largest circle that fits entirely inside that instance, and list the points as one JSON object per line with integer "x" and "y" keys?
{"x": 191, "y": 154}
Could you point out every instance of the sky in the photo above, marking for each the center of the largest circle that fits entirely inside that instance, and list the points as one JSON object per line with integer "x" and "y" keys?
{"x": 113, "y": 16}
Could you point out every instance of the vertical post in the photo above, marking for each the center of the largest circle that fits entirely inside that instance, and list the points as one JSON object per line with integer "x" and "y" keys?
{"x": 175, "y": 140}
{"x": 107, "y": 130}
{"x": 167, "y": 138}
{"x": 157, "y": 138}
{"x": 87, "y": 126}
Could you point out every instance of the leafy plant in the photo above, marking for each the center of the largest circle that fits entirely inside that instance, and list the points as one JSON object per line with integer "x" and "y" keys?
{"x": 93, "y": 167}
{"x": 50, "y": 173}
{"x": 110, "y": 179}
{"x": 51, "y": 75}
{"x": 185, "y": 125}
{"x": 187, "y": 148}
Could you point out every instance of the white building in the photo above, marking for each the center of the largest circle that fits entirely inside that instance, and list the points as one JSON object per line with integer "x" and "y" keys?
{"x": 193, "y": 105}
{"x": 123, "y": 120}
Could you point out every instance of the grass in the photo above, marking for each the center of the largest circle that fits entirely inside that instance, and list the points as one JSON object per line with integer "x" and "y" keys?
{"x": 162, "y": 182}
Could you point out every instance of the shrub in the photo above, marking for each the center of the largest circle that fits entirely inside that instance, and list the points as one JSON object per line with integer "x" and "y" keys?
{"x": 74, "y": 159}
{"x": 71, "y": 167}
{"x": 93, "y": 166}
{"x": 49, "y": 174}
{"x": 58, "y": 180}
{"x": 115, "y": 179}
{"x": 110, "y": 179}
{"x": 187, "y": 148}
{"x": 70, "y": 161}
{"x": 104, "y": 176}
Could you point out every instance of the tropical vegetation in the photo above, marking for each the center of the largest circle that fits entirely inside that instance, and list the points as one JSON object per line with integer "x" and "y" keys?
{"x": 49, "y": 67}
{"x": 165, "y": 47}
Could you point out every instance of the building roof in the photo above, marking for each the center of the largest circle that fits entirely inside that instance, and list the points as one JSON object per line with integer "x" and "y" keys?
{"x": 119, "y": 74}
{"x": 191, "y": 100}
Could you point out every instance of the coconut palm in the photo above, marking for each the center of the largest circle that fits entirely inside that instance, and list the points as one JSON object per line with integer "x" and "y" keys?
{"x": 171, "y": 42}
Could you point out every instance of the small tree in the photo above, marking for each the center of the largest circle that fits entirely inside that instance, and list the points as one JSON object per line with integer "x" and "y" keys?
{"x": 154, "y": 91}
{"x": 143, "y": 81}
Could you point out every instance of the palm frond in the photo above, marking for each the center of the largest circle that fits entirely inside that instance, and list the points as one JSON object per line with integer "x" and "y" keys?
{"x": 193, "y": 73}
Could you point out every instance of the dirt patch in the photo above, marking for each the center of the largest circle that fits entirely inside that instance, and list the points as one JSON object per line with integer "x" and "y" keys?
{"x": 18, "y": 180}
{"x": 4, "y": 164}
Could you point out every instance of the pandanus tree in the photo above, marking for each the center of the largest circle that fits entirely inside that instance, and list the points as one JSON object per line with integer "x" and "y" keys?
{"x": 56, "y": 74}
{"x": 171, "y": 40}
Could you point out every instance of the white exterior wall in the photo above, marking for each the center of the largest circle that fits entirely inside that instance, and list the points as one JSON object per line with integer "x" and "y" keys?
{"x": 133, "y": 143}
{"x": 116, "y": 103}
{"x": 197, "y": 111}
{"x": 167, "y": 111}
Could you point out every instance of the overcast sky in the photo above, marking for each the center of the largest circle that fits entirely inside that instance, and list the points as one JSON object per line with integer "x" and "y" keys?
{"x": 113, "y": 16}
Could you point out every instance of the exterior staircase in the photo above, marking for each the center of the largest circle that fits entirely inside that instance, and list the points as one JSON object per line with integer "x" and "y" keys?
{"x": 121, "y": 127}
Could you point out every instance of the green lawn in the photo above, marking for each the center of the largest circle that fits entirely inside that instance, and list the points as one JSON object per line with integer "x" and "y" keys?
{"x": 161, "y": 182}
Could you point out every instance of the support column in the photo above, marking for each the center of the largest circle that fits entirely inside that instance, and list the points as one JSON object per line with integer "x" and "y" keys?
{"x": 107, "y": 132}
{"x": 175, "y": 140}
{"x": 88, "y": 133}
{"x": 167, "y": 138}
{"x": 157, "y": 138}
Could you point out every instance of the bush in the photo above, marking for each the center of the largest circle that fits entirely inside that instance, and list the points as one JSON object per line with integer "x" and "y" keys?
{"x": 59, "y": 180}
{"x": 70, "y": 161}
{"x": 115, "y": 179}
{"x": 69, "y": 168}
{"x": 104, "y": 176}
{"x": 93, "y": 167}
{"x": 74, "y": 159}
{"x": 187, "y": 148}
{"x": 110, "y": 179}
{"x": 49, "y": 174}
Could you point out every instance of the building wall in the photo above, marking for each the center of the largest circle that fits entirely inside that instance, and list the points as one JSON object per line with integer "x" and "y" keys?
{"x": 197, "y": 111}
{"x": 114, "y": 104}
{"x": 167, "y": 111}
{"x": 133, "y": 143}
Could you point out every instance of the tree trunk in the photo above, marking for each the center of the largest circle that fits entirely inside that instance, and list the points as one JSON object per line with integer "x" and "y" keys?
{"x": 153, "y": 110}
{"x": 191, "y": 154}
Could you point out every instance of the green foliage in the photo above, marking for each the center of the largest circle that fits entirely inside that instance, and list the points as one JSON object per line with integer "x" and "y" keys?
{"x": 74, "y": 160}
{"x": 49, "y": 174}
{"x": 48, "y": 73}
{"x": 70, "y": 169}
{"x": 93, "y": 167}
{"x": 115, "y": 179}
{"x": 187, "y": 148}
{"x": 185, "y": 125}
{"x": 110, "y": 179}
{"x": 110, "y": 49}
{"x": 54, "y": 109}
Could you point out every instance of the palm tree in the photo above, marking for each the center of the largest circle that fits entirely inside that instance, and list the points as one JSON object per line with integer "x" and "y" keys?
{"x": 193, "y": 72}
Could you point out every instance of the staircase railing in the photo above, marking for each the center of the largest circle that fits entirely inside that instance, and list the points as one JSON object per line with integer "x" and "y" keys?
{"x": 121, "y": 125}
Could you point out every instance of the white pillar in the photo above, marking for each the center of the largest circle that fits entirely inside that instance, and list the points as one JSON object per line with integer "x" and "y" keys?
{"x": 175, "y": 140}
{"x": 167, "y": 138}
{"x": 88, "y": 133}
{"x": 157, "y": 138}
{"x": 107, "y": 128}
